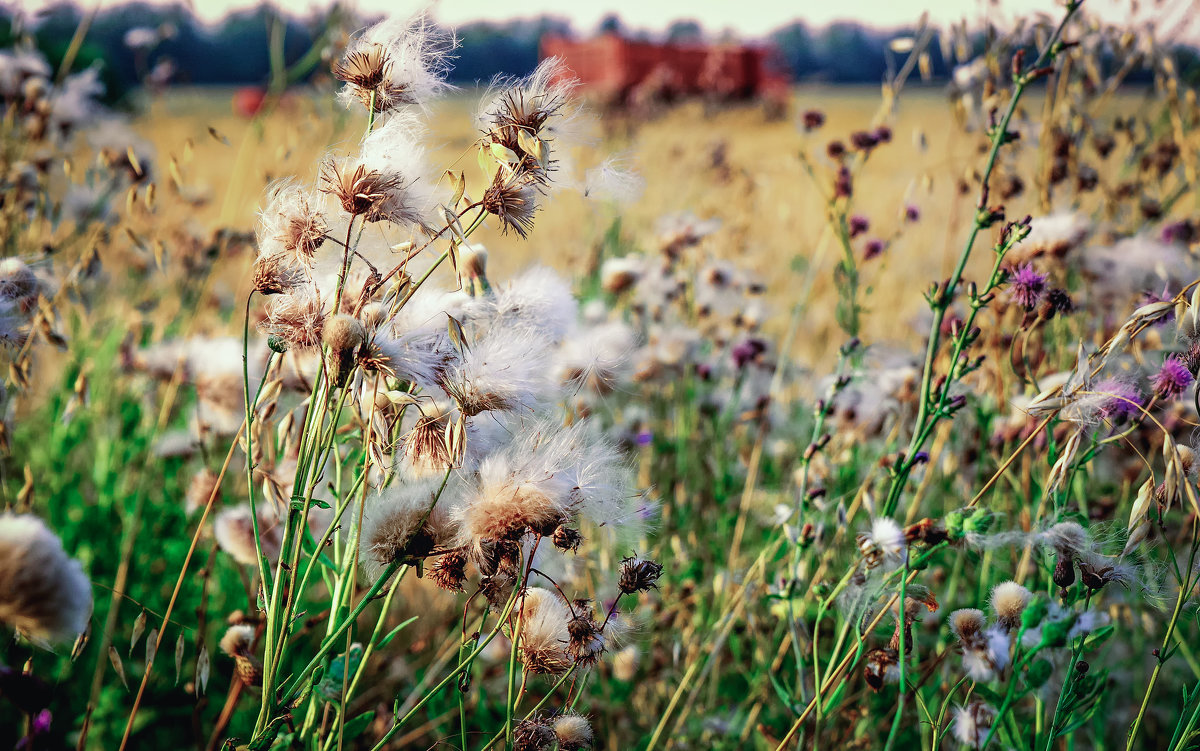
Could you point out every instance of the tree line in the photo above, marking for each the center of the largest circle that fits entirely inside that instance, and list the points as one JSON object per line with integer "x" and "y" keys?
{"x": 238, "y": 50}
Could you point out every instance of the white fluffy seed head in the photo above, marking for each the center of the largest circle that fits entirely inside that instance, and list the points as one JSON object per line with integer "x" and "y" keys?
{"x": 404, "y": 522}
{"x": 416, "y": 56}
{"x": 544, "y": 636}
{"x": 888, "y": 538}
{"x": 625, "y": 663}
{"x": 234, "y": 530}
{"x": 237, "y": 640}
{"x": 43, "y": 591}
{"x": 1067, "y": 537}
{"x": 967, "y": 624}
{"x": 1008, "y": 602}
{"x": 973, "y": 723}
{"x": 573, "y": 731}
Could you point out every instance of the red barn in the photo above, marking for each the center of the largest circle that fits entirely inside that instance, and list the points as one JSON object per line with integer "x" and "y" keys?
{"x": 624, "y": 71}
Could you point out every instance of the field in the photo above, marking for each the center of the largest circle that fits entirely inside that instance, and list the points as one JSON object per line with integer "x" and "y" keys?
{"x": 867, "y": 426}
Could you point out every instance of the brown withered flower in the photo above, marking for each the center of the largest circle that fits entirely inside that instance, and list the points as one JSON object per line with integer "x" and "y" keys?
{"x": 567, "y": 538}
{"x": 238, "y": 643}
{"x": 297, "y": 318}
{"x": 513, "y": 200}
{"x": 364, "y": 68}
{"x": 361, "y": 191}
{"x": 533, "y": 735}
{"x": 1095, "y": 576}
{"x": 272, "y": 275}
{"x": 369, "y": 72}
{"x": 449, "y": 571}
{"x": 882, "y": 664}
{"x": 303, "y": 233}
{"x": 586, "y": 643}
{"x": 638, "y": 575}
{"x": 518, "y": 119}
{"x": 497, "y": 588}
{"x": 425, "y": 445}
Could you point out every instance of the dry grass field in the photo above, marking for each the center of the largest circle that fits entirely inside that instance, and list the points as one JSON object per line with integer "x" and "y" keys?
{"x": 734, "y": 165}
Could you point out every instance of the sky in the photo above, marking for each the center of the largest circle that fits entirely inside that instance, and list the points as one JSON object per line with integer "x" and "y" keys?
{"x": 749, "y": 18}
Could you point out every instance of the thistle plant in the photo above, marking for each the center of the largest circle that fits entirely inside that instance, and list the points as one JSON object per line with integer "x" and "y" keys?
{"x": 430, "y": 441}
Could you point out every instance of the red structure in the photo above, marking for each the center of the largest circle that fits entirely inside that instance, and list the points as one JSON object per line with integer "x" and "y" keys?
{"x": 622, "y": 71}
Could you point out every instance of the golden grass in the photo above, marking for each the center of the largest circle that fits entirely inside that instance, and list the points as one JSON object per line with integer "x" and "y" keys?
{"x": 771, "y": 211}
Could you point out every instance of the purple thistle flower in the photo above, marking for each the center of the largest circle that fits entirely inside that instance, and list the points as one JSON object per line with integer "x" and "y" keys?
{"x": 1172, "y": 379}
{"x": 41, "y": 723}
{"x": 858, "y": 224}
{"x": 1165, "y": 296}
{"x": 1120, "y": 399}
{"x": 912, "y": 213}
{"x": 864, "y": 141}
{"x": 1179, "y": 232}
{"x": 1028, "y": 286}
{"x": 747, "y": 350}
{"x": 873, "y": 249}
{"x": 644, "y": 437}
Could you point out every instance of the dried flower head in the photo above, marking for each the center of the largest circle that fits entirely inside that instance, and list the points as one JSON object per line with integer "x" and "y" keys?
{"x": 528, "y": 114}
{"x": 973, "y": 724}
{"x": 44, "y": 593}
{"x": 1008, "y": 602}
{"x": 533, "y": 735}
{"x": 405, "y": 523}
{"x": 968, "y": 624}
{"x": 296, "y": 317}
{"x": 238, "y": 640}
{"x": 238, "y": 643}
{"x": 573, "y": 731}
{"x": 396, "y": 63}
{"x": 343, "y": 336}
{"x": 882, "y": 667}
{"x": 361, "y": 191}
{"x": 587, "y": 642}
{"x": 425, "y": 448}
{"x": 885, "y": 543}
{"x": 512, "y": 198}
{"x": 544, "y": 636}
{"x": 273, "y": 276}
{"x": 290, "y": 226}
{"x": 638, "y": 575}
{"x": 567, "y": 538}
{"x": 449, "y": 571}
{"x": 234, "y": 530}
{"x": 363, "y": 67}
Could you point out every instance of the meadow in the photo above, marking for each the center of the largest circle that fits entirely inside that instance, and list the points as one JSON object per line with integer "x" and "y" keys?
{"x": 404, "y": 417}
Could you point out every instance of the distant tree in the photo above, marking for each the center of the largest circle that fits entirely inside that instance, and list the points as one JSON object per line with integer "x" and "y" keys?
{"x": 685, "y": 31}
{"x": 611, "y": 24}
{"x": 849, "y": 53}
{"x": 795, "y": 44}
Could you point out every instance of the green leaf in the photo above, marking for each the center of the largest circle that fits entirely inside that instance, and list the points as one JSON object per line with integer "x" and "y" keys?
{"x": 392, "y": 634}
{"x": 339, "y": 667}
{"x": 357, "y": 725}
